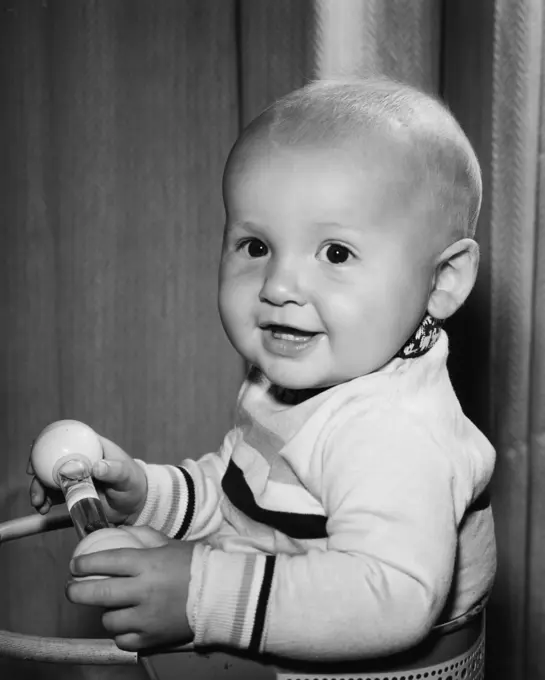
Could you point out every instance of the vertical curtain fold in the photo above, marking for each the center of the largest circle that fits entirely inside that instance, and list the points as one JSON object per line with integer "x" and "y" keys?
{"x": 535, "y": 651}
{"x": 400, "y": 39}
{"x": 517, "y": 64}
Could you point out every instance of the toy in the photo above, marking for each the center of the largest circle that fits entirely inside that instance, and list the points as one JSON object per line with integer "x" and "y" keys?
{"x": 60, "y": 442}
{"x": 105, "y": 539}
{"x": 62, "y": 457}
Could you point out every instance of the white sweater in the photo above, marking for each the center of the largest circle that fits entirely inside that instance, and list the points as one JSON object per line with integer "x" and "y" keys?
{"x": 340, "y": 527}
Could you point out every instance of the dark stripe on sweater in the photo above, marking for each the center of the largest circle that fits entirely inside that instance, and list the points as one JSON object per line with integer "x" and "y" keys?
{"x": 190, "y": 510}
{"x": 263, "y": 601}
{"x": 294, "y": 524}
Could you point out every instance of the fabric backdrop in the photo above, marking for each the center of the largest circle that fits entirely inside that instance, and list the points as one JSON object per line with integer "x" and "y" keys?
{"x": 117, "y": 116}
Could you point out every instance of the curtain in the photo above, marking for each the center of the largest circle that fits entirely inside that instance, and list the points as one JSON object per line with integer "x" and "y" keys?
{"x": 117, "y": 117}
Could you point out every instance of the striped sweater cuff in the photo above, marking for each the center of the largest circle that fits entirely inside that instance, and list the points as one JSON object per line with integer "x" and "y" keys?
{"x": 170, "y": 499}
{"x": 229, "y": 597}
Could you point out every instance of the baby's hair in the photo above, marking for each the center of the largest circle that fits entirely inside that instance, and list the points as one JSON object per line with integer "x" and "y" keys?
{"x": 441, "y": 157}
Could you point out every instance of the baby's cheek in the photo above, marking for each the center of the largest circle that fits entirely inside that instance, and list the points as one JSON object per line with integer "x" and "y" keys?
{"x": 229, "y": 312}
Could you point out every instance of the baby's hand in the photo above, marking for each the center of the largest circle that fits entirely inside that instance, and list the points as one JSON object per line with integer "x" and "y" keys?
{"x": 121, "y": 484}
{"x": 146, "y": 600}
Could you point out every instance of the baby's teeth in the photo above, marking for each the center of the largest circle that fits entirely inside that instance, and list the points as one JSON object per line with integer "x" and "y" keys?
{"x": 289, "y": 336}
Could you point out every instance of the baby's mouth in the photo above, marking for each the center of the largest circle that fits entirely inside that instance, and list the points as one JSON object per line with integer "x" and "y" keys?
{"x": 288, "y": 333}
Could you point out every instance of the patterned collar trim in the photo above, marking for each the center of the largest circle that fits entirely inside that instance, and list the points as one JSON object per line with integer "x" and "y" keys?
{"x": 423, "y": 339}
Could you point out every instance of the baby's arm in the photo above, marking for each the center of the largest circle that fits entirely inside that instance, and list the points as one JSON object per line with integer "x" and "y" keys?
{"x": 382, "y": 582}
{"x": 184, "y": 501}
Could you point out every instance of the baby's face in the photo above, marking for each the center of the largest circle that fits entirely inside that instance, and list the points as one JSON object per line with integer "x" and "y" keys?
{"x": 324, "y": 274}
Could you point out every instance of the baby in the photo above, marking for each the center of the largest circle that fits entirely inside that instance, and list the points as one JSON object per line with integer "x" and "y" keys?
{"x": 343, "y": 515}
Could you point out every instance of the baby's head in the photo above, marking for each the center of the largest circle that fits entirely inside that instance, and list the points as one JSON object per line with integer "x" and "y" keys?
{"x": 350, "y": 211}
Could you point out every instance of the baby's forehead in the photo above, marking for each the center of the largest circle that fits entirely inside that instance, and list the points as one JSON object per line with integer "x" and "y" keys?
{"x": 385, "y": 173}
{"x": 370, "y": 155}
{"x": 326, "y": 183}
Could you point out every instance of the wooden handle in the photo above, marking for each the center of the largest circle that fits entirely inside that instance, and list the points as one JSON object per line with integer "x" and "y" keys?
{"x": 63, "y": 650}
{"x": 57, "y": 518}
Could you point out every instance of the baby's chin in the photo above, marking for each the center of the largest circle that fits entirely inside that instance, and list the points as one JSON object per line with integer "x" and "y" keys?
{"x": 308, "y": 375}
{"x": 292, "y": 381}
{"x": 304, "y": 383}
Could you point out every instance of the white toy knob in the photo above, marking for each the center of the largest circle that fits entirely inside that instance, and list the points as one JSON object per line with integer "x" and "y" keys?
{"x": 59, "y": 442}
{"x": 105, "y": 539}
{"x": 62, "y": 457}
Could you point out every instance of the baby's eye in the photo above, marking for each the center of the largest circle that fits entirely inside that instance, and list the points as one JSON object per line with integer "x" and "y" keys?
{"x": 335, "y": 253}
{"x": 253, "y": 247}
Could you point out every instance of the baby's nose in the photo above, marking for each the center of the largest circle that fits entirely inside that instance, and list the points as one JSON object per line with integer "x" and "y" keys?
{"x": 282, "y": 284}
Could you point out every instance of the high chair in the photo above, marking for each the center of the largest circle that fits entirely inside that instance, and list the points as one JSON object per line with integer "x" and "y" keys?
{"x": 453, "y": 651}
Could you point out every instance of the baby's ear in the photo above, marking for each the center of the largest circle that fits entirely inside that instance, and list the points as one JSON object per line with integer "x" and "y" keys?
{"x": 455, "y": 275}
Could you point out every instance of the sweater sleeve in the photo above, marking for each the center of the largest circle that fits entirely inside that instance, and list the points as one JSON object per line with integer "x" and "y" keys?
{"x": 185, "y": 501}
{"x": 393, "y": 508}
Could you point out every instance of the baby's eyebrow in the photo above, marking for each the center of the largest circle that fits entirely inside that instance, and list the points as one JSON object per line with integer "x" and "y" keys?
{"x": 337, "y": 226}
{"x": 244, "y": 226}
{"x": 331, "y": 224}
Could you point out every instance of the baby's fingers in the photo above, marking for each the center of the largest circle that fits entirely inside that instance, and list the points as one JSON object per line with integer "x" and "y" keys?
{"x": 108, "y": 592}
{"x": 37, "y": 494}
{"x": 110, "y": 562}
{"x": 113, "y": 473}
{"x": 42, "y": 499}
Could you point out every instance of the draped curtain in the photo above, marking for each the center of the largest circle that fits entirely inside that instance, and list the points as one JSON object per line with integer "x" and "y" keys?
{"x": 117, "y": 117}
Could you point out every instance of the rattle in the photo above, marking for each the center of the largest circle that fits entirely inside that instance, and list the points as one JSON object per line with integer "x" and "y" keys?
{"x": 62, "y": 457}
